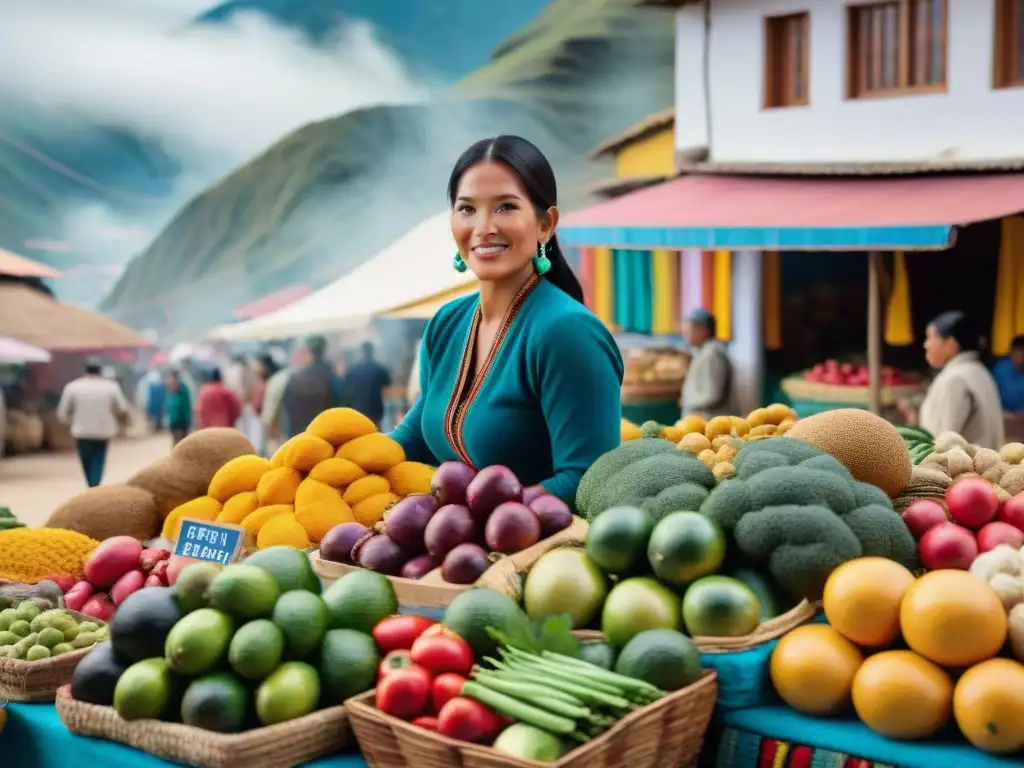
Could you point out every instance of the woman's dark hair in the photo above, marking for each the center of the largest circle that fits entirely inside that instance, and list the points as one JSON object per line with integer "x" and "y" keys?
{"x": 538, "y": 179}
{"x": 958, "y": 325}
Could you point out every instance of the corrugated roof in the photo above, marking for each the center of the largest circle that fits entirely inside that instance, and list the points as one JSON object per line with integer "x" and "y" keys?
{"x": 644, "y": 128}
{"x": 617, "y": 186}
{"x": 18, "y": 266}
{"x": 31, "y": 316}
{"x": 914, "y": 168}
{"x": 737, "y": 212}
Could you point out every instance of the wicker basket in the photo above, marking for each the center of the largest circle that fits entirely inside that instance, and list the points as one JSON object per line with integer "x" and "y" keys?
{"x": 275, "y": 746}
{"x": 801, "y": 389}
{"x": 434, "y": 592}
{"x": 666, "y": 734}
{"x": 22, "y": 680}
{"x": 770, "y": 630}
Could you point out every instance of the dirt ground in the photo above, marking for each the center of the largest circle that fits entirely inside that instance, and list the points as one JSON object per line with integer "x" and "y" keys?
{"x": 34, "y": 485}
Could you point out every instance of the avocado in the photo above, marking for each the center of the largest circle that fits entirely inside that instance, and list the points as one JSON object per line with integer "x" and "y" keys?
{"x": 256, "y": 649}
{"x": 662, "y": 657}
{"x": 472, "y": 612}
{"x": 97, "y": 674}
{"x": 292, "y": 691}
{"x": 217, "y": 702}
{"x": 289, "y": 567}
{"x": 302, "y": 617}
{"x": 198, "y": 642}
{"x": 140, "y": 627}
{"x": 598, "y": 653}
{"x": 244, "y": 591}
{"x": 145, "y": 690}
{"x": 348, "y": 664}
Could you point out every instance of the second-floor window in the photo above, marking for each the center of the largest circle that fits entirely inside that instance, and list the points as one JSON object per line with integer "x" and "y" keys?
{"x": 1009, "y": 31}
{"x": 897, "y": 47}
{"x": 787, "y": 60}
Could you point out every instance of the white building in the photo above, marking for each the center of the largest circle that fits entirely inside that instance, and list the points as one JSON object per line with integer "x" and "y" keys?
{"x": 841, "y": 81}
{"x": 838, "y": 125}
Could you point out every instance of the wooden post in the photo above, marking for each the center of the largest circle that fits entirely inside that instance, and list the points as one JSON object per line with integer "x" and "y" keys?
{"x": 875, "y": 331}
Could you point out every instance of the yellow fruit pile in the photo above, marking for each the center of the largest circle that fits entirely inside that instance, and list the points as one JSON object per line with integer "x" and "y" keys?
{"x": 341, "y": 469}
{"x": 717, "y": 441}
{"x": 949, "y": 620}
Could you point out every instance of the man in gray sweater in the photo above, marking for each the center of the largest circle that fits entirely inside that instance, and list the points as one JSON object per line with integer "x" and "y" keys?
{"x": 707, "y": 390}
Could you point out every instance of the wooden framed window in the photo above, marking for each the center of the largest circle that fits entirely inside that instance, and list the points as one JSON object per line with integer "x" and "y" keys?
{"x": 787, "y": 47}
{"x": 897, "y": 47}
{"x": 1009, "y": 37}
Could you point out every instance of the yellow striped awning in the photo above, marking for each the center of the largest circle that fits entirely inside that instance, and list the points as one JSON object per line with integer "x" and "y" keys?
{"x": 425, "y": 308}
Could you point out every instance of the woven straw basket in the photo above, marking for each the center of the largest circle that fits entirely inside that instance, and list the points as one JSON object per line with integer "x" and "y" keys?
{"x": 770, "y": 630}
{"x": 801, "y": 389}
{"x": 22, "y": 680}
{"x": 666, "y": 734}
{"x": 434, "y": 592}
{"x": 275, "y": 746}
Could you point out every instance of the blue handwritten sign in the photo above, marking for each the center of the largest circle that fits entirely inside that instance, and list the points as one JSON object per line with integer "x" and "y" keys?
{"x": 213, "y": 542}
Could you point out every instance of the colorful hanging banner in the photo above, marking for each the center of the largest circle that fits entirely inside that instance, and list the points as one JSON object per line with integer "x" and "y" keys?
{"x": 602, "y": 281}
{"x": 721, "y": 304}
{"x": 899, "y": 326}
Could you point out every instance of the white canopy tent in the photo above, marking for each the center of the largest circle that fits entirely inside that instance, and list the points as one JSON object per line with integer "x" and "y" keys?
{"x": 416, "y": 266}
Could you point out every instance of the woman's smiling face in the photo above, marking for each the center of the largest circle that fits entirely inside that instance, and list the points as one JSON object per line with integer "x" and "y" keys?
{"x": 495, "y": 226}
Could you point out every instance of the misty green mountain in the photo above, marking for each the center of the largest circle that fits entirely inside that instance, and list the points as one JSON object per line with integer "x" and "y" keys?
{"x": 332, "y": 194}
{"x": 51, "y": 163}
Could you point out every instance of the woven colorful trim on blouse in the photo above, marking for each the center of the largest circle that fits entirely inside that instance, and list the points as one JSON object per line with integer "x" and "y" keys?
{"x": 741, "y": 749}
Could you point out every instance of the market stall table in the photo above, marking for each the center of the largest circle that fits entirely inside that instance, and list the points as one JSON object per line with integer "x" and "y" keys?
{"x": 36, "y": 737}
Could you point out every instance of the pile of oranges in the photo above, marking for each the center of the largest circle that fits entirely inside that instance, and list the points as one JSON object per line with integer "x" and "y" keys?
{"x": 908, "y": 655}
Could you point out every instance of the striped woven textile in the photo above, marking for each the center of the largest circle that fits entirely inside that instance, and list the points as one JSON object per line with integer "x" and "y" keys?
{"x": 742, "y": 749}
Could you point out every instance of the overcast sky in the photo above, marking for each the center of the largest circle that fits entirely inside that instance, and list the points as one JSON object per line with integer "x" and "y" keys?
{"x": 225, "y": 90}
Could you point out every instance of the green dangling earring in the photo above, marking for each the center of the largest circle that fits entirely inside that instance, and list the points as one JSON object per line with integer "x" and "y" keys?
{"x": 541, "y": 262}
{"x": 458, "y": 263}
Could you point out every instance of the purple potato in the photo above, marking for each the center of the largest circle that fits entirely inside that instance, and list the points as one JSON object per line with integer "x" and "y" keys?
{"x": 381, "y": 554}
{"x": 532, "y": 492}
{"x": 492, "y": 487}
{"x": 338, "y": 543}
{"x": 406, "y": 522}
{"x": 465, "y": 564}
{"x": 418, "y": 567}
{"x": 512, "y": 527}
{"x": 553, "y": 513}
{"x": 450, "y": 481}
{"x": 450, "y": 526}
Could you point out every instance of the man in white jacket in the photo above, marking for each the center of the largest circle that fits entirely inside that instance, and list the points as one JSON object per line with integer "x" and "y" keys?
{"x": 94, "y": 407}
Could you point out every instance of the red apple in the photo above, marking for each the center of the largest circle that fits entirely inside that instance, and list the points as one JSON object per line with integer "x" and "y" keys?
{"x": 948, "y": 546}
{"x": 923, "y": 515}
{"x": 996, "y": 533}
{"x": 1012, "y": 511}
{"x": 972, "y": 502}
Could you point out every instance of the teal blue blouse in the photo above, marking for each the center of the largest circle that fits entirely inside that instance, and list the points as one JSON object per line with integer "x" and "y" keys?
{"x": 546, "y": 403}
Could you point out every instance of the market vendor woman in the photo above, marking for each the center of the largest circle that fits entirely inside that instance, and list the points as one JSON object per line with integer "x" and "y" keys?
{"x": 963, "y": 397}
{"x": 523, "y": 374}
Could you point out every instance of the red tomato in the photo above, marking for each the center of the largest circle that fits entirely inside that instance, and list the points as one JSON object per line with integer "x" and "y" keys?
{"x": 439, "y": 630}
{"x": 443, "y": 653}
{"x": 428, "y": 722}
{"x": 398, "y": 633}
{"x": 393, "y": 662}
{"x": 469, "y": 720}
{"x": 403, "y": 694}
{"x": 445, "y": 688}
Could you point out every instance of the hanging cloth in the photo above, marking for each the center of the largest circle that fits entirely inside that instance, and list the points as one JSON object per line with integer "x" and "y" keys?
{"x": 899, "y": 326}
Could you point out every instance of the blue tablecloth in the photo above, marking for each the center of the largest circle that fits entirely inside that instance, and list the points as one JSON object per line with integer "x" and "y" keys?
{"x": 35, "y": 737}
{"x": 851, "y": 737}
